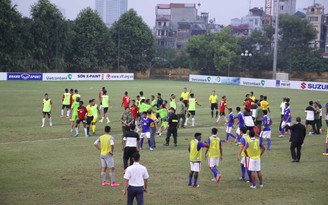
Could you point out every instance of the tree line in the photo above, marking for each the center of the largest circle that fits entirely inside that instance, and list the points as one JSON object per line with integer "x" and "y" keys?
{"x": 47, "y": 42}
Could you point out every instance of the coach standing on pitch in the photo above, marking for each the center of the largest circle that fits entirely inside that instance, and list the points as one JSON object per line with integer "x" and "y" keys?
{"x": 135, "y": 181}
{"x": 173, "y": 122}
{"x": 298, "y": 132}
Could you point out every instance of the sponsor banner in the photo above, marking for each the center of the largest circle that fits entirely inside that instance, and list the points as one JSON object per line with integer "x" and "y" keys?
{"x": 203, "y": 79}
{"x": 258, "y": 82}
{"x": 229, "y": 80}
{"x": 87, "y": 76}
{"x": 57, "y": 76}
{"x": 24, "y": 76}
{"x": 118, "y": 76}
{"x": 304, "y": 85}
{"x": 3, "y": 76}
{"x": 282, "y": 83}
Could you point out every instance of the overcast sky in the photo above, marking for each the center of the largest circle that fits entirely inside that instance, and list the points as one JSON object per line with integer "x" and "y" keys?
{"x": 221, "y": 10}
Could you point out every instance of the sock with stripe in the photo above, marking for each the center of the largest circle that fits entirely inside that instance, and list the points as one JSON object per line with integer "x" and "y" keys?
{"x": 149, "y": 143}
{"x": 93, "y": 127}
{"x": 243, "y": 171}
{"x": 112, "y": 177}
{"x": 190, "y": 180}
{"x": 233, "y": 136}
{"x": 227, "y": 136}
{"x": 215, "y": 172}
{"x": 269, "y": 143}
{"x": 141, "y": 143}
{"x": 195, "y": 181}
{"x": 249, "y": 173}
{"x": 103, "y": 176}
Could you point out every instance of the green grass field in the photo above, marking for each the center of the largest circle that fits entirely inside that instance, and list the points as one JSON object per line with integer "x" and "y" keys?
{"x": 49, "y": 166}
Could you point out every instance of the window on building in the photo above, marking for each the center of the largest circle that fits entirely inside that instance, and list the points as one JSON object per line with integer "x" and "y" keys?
{"x": 313, "y": 18}
{"x": 256, "y": 22}
{"x": 164, "y": 23}
{"x": 282, "y": 8}
{"x": 159, "y": 23}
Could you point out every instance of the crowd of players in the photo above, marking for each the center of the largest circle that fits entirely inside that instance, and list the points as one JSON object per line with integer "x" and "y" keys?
{"x": 154, "y": 116}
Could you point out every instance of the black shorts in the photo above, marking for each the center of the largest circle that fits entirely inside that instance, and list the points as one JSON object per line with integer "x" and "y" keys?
{"x": 78, "y": 121}
{"x": 46, "y": 113}
{"x": 105, "y": 109}
{"x": 214, "y": 106}
{"x": 309, "y": 122}
{"x": 185, "y": 102}
{"x": 67, "y": 106}
{"x": 192, "y": 113}
{"x": 89, "y": 119}
{"x": 222, "y": 113}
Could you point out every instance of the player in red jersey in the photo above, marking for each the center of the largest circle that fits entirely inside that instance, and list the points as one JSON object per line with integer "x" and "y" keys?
{"x": 101, "y": 93}
{"x": 135, "y": 111}
{"x": 81, "y": 116}
{"x": 248, "y": 102}
{"x": 223, "y": 106}
{"x": 126, "y": 100}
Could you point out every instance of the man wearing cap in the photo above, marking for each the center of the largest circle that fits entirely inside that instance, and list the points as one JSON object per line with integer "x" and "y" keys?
{"x": 172, "y": 130}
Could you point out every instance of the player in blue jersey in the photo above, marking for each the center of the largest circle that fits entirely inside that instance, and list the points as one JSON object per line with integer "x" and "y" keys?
{"x": 230, "y": 122}
{"x": 145, "y": 122}
{"x": 287, "y": 120}
{"x": 240, "y": 122}
{"x": 266, "y": 133}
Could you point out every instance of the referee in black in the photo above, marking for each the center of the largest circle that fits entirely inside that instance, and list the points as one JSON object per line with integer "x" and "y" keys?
{"x": 130, "y": 145}
{"x": 173, "y": 122}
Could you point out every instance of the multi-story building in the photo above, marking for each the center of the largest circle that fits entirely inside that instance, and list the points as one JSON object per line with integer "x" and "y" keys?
{"x": 255, "y": 19}
{"x": 285, "y": 7}
{"x": 111, "y": 10}
{"x": 315, "y": 14}
{"x": 176, "y": 23}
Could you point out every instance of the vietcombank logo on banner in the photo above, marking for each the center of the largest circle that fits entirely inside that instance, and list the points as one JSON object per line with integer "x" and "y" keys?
{"x": 203, "y": 79}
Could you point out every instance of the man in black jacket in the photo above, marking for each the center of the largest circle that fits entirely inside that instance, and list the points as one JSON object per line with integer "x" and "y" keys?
{"x": 173, "y": 123}
{"x": 298, "y": 132}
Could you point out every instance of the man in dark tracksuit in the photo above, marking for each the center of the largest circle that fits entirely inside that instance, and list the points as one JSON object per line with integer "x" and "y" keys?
{"x": 298, "y": 132}
{"x": 173, "y": 123}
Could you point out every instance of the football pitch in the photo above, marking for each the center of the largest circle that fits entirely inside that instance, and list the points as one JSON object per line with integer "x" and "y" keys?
{"x": 49, "y": 166}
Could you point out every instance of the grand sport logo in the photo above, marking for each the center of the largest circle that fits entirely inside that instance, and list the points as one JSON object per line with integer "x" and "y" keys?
{"x": 314, "y": 86}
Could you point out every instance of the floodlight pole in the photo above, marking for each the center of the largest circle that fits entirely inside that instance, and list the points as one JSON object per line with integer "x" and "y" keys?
{"x": 275, "y": 52}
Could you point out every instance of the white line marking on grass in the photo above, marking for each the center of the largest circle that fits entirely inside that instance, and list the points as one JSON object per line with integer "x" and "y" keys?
{"x": 32, "y": 141}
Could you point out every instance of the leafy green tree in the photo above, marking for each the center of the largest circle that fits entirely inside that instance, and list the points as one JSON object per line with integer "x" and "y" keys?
{"x": 49, "y": 30}
{"x": 133, "y": 42}
{"x": 11, "y": 43}
{"x": 91, "y": 45}
{"x": 213, "y": 53}
{"x": 294, "y": 45}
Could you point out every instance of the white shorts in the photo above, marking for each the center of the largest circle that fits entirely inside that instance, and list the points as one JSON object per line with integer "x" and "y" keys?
{"x": 195, "y": 166}
{"x": 238, "y": 131}
{"x": 326, "y": 140}
{"x": 283, "y": 124}
{"x": 266, "y": 134}
{"x": 107, "y": 161}
{"x": 245, "y": 162}
{"x": 242, "y": 161}
{"x": 145, "y": 135}
{"x": 213, "y": 162}
{"x": 255, "y": 165}
{"x": 228, "y": 130}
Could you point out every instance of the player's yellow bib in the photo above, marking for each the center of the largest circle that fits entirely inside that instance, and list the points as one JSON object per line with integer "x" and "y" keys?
{"x": 76, "y": 96}
{"x": 66, "y": 100}
{"x": 95, "y": 111}
{"x": 104, "y": 101}
{"x": 192, "y": 104}
{"x": 254, "y": 151}
{"x": 195, "y": 155}
{"x": 214, "y": 149}
{"x": 247, "y": 138}
{"x": 46, "y": 105}
{"x": 173, "y": 104}
{"x": 105, "y": 146}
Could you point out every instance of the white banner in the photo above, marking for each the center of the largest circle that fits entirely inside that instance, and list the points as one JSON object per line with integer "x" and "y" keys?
{"x": 203, "y": 79}
{"x": 304, "y": 85}
{"x": 87, "y": 76}
{"x": 3, "y": 76}
{"x": 258, "y": 82}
